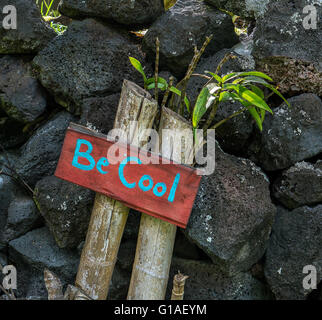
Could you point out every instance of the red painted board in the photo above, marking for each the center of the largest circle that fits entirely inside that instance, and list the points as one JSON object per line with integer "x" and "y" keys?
{"x": 167, "y": 190}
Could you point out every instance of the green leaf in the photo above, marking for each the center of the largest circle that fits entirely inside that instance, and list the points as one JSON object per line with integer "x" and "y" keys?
{"x": 250, "y": 73}
{"x": 162, "y": 83}
{"x": 258, "y": 91}
{"x": 215, "y": 76}
{"x": 267, "y": 85}
{"x": 138, "y": 66}
{"x": 200, "y": 106}
{"x": 225, "y": 96}
{"x": 152, "y": 86}
{"x": 278, "y": 93}
{"x": 228, "y": 76}
{"x": 252, "y": 97}
{"x": 257, "y": 118}
{"x": 178, "y": 92}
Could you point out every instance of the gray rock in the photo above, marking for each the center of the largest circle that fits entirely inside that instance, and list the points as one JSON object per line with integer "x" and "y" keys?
{"x": 38, "y": 250}
{"x": 21, "y": 96}
{"x": 128, "y": 12}
{"x": 23, "y": 216}
{"x": 291, "y": 134}
{"x": 280, "y": 32}
{"x": 32, "y": 32}
{"x": 234, "y": 134}
{"x": 295, "y": 243}
{"x": 184, "y": 26}
{"x": 93, "y": 60}
{"x": 300, "y": 185}
{"x": 66, "y": 208}
{"x": 286, "y": 50}
{"x": 99, "y": 113}
{"x": 40, "y": 154}
{"x": 243, "y": 8}
{"x": 207, "y": 282}
{"x": 233, "y": 209}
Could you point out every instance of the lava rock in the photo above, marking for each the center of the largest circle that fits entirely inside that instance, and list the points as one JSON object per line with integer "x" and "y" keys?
{"x": 280, "y": 32}
{"x": 93, "y": 60}
{"x": 243, "y": 8}
{"x": 291, "y": 134}
{"x": 39, "y": 156}
{"x": 184, "y": 26}
{"x": 234, "y": 210}
{"x": 21, "y": 96}
{"x": 23, "y": 216}
{"x": 207, "y": 282}
{"x": 286, "y": 50}
{"x": 295, "y": 243}
{"x": 134, "y": 14}
{"x": 66, "y": 209}
{"x": 32, "y": 33}
{"x": 234, "y": 134}
{"x": 99, "y": 113}
{"x": 300, "y": 185}
{"x": 38, "y": 250}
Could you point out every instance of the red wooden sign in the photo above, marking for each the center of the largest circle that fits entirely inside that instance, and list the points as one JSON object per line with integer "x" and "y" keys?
{"x": 142, "y": 180}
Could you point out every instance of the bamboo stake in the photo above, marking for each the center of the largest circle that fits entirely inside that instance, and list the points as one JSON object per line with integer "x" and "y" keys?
{"x": 109, "y": 216}
{"x": 156, "y": 237}
{"x": 179, "y": 282}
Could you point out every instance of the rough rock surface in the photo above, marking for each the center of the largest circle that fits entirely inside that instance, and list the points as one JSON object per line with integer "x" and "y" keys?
{"x": 99, "y": 113}
{"x": 295, "y": 243}
{"x": 233, "y": 134}
{"x": 186, "y": 25}
{"x": 207, "y": 282}
{"x": 291, "y": 134}
{"x": 35, "y": 251}
{"x": 286, "y": 49}
{"x": 233, "y": 209}
{"x": 21, "y": 96}
{"x": 127, "y": 12}
{"x": 66, "y": 208}
{"x": 243, "y": 8}
{"x": 32, "y": 32}
{"x": 40, "y": 154}
{"x": 280, "y": 32}
{"x": 93, "y": 60}
{"x": 300, "y": 185}
{"x": 23, "y": 216}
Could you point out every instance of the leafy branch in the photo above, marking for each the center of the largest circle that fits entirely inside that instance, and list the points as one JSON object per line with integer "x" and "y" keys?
{"x": 242, "y": 87}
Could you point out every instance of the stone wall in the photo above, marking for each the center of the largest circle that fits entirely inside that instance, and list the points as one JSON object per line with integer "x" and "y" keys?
{"x": 257, "y": 220}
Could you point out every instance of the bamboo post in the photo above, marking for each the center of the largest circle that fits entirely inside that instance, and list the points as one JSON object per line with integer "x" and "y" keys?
{"x": 179, "y": 281}
{"x": 156, "y": 237}
{"x": 109, "y": 216}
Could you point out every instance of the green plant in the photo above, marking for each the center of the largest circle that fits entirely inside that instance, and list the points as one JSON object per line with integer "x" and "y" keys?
{"x": 243, "y": 87}
{"x": 58, "y": 27}
{"x": 46, "y": 8}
